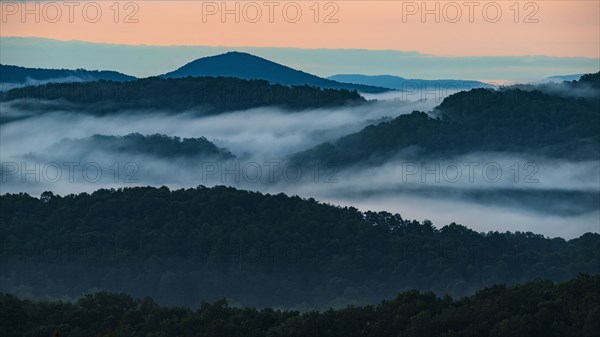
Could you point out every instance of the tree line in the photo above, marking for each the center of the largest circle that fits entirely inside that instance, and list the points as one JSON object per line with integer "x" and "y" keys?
{"x": 537, "y": 308}
{"x": 483, "y": 119}
{"x": 201, "y": 95}
{"x": 184, "y": 246}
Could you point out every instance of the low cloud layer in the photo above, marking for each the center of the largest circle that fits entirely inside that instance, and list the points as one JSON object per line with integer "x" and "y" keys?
{"x": 262, "y": 131}
{"x": 485, "y": 191}
{"x": 563, "y": 89}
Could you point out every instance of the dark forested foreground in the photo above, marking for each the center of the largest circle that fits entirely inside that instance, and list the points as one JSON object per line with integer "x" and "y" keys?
{"x": 539, "y": 308}
{"x": 185, "y": 246}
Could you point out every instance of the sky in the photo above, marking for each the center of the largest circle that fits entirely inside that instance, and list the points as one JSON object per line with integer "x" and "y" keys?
{"x": 501, "y": 41}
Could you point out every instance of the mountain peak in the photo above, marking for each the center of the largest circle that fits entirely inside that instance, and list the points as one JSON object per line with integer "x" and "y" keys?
{"x": 232, "y": 64}
{"x": 251, "y": 67}
{"x": 232, "y": 54}
{"x": 235, "y": 52}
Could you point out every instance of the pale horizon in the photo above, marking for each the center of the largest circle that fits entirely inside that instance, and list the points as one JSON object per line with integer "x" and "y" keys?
{"x": 145, "y": 60}
{"x": 486, "y": 41}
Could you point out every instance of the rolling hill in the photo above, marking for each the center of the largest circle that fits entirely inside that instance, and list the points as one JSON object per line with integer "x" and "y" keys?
{"x": 401, "y": 83}
{"x": 202, "y": 95}
{"x": 186, "y": 246}
{"x": 479, "y": 120}
{"x": 250, "y": 67}
{"x": 14, "y": 76}
{"x": 560, "y": 78}
{"x": 155, "y": 145}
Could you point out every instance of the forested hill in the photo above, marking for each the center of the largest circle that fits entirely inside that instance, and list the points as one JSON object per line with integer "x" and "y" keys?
{"x": 207, "y": 95}
{"x": 248, "y": 66}
{"x": 22, "y": 75}
{"x": 540, "y": 308}
{"x": 521, "y": 108}
{"x": 156, "y": 145}
{"x": 508, "y": 120}
{"x": 592, "y": 80}
{"x": 408, "y": 84}
{"x": 184, "y": 246}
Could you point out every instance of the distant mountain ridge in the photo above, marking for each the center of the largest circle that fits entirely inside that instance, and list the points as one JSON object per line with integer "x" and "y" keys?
{"x": 202, "y": 95}
{"x": 250, "y": 67}
{"x": 401, "y": 83}
{"x": 237, "y": 65}
{"x": 16, "y": 75}
{"x": 560, "y": 78}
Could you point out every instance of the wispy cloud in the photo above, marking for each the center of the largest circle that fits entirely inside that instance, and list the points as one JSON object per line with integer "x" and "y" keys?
{"x": 549, "y": 196}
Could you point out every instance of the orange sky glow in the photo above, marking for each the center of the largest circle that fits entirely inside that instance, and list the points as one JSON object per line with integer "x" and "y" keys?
{"x": 553, "y": 28}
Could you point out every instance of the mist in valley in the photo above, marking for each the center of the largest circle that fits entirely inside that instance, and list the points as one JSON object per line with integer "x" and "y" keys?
{"x": 483, "y": 191}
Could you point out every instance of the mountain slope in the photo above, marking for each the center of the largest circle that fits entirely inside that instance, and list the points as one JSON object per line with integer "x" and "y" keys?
{"x": 16, "y": 75}
{"x": 401, "y": 83}
{"x": 185, "y": 246}
{"x": 560, "y": 78}
{"x": 156, "y": 145}
{"x": 506, "y": 120}
{"x": 249, "y": 67}
{"x": 202, "y": 95}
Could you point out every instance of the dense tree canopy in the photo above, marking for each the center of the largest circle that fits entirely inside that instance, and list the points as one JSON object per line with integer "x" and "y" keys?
{"x": 203, "y": 95}
{"x": 539, "y": 308}
{"x": 158, "y": 145}
{"x": 508, "y": 120}
{"x": 184, "y": 246}
{"x": 592, "y": 80}
{"x": 16, "y": 74}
